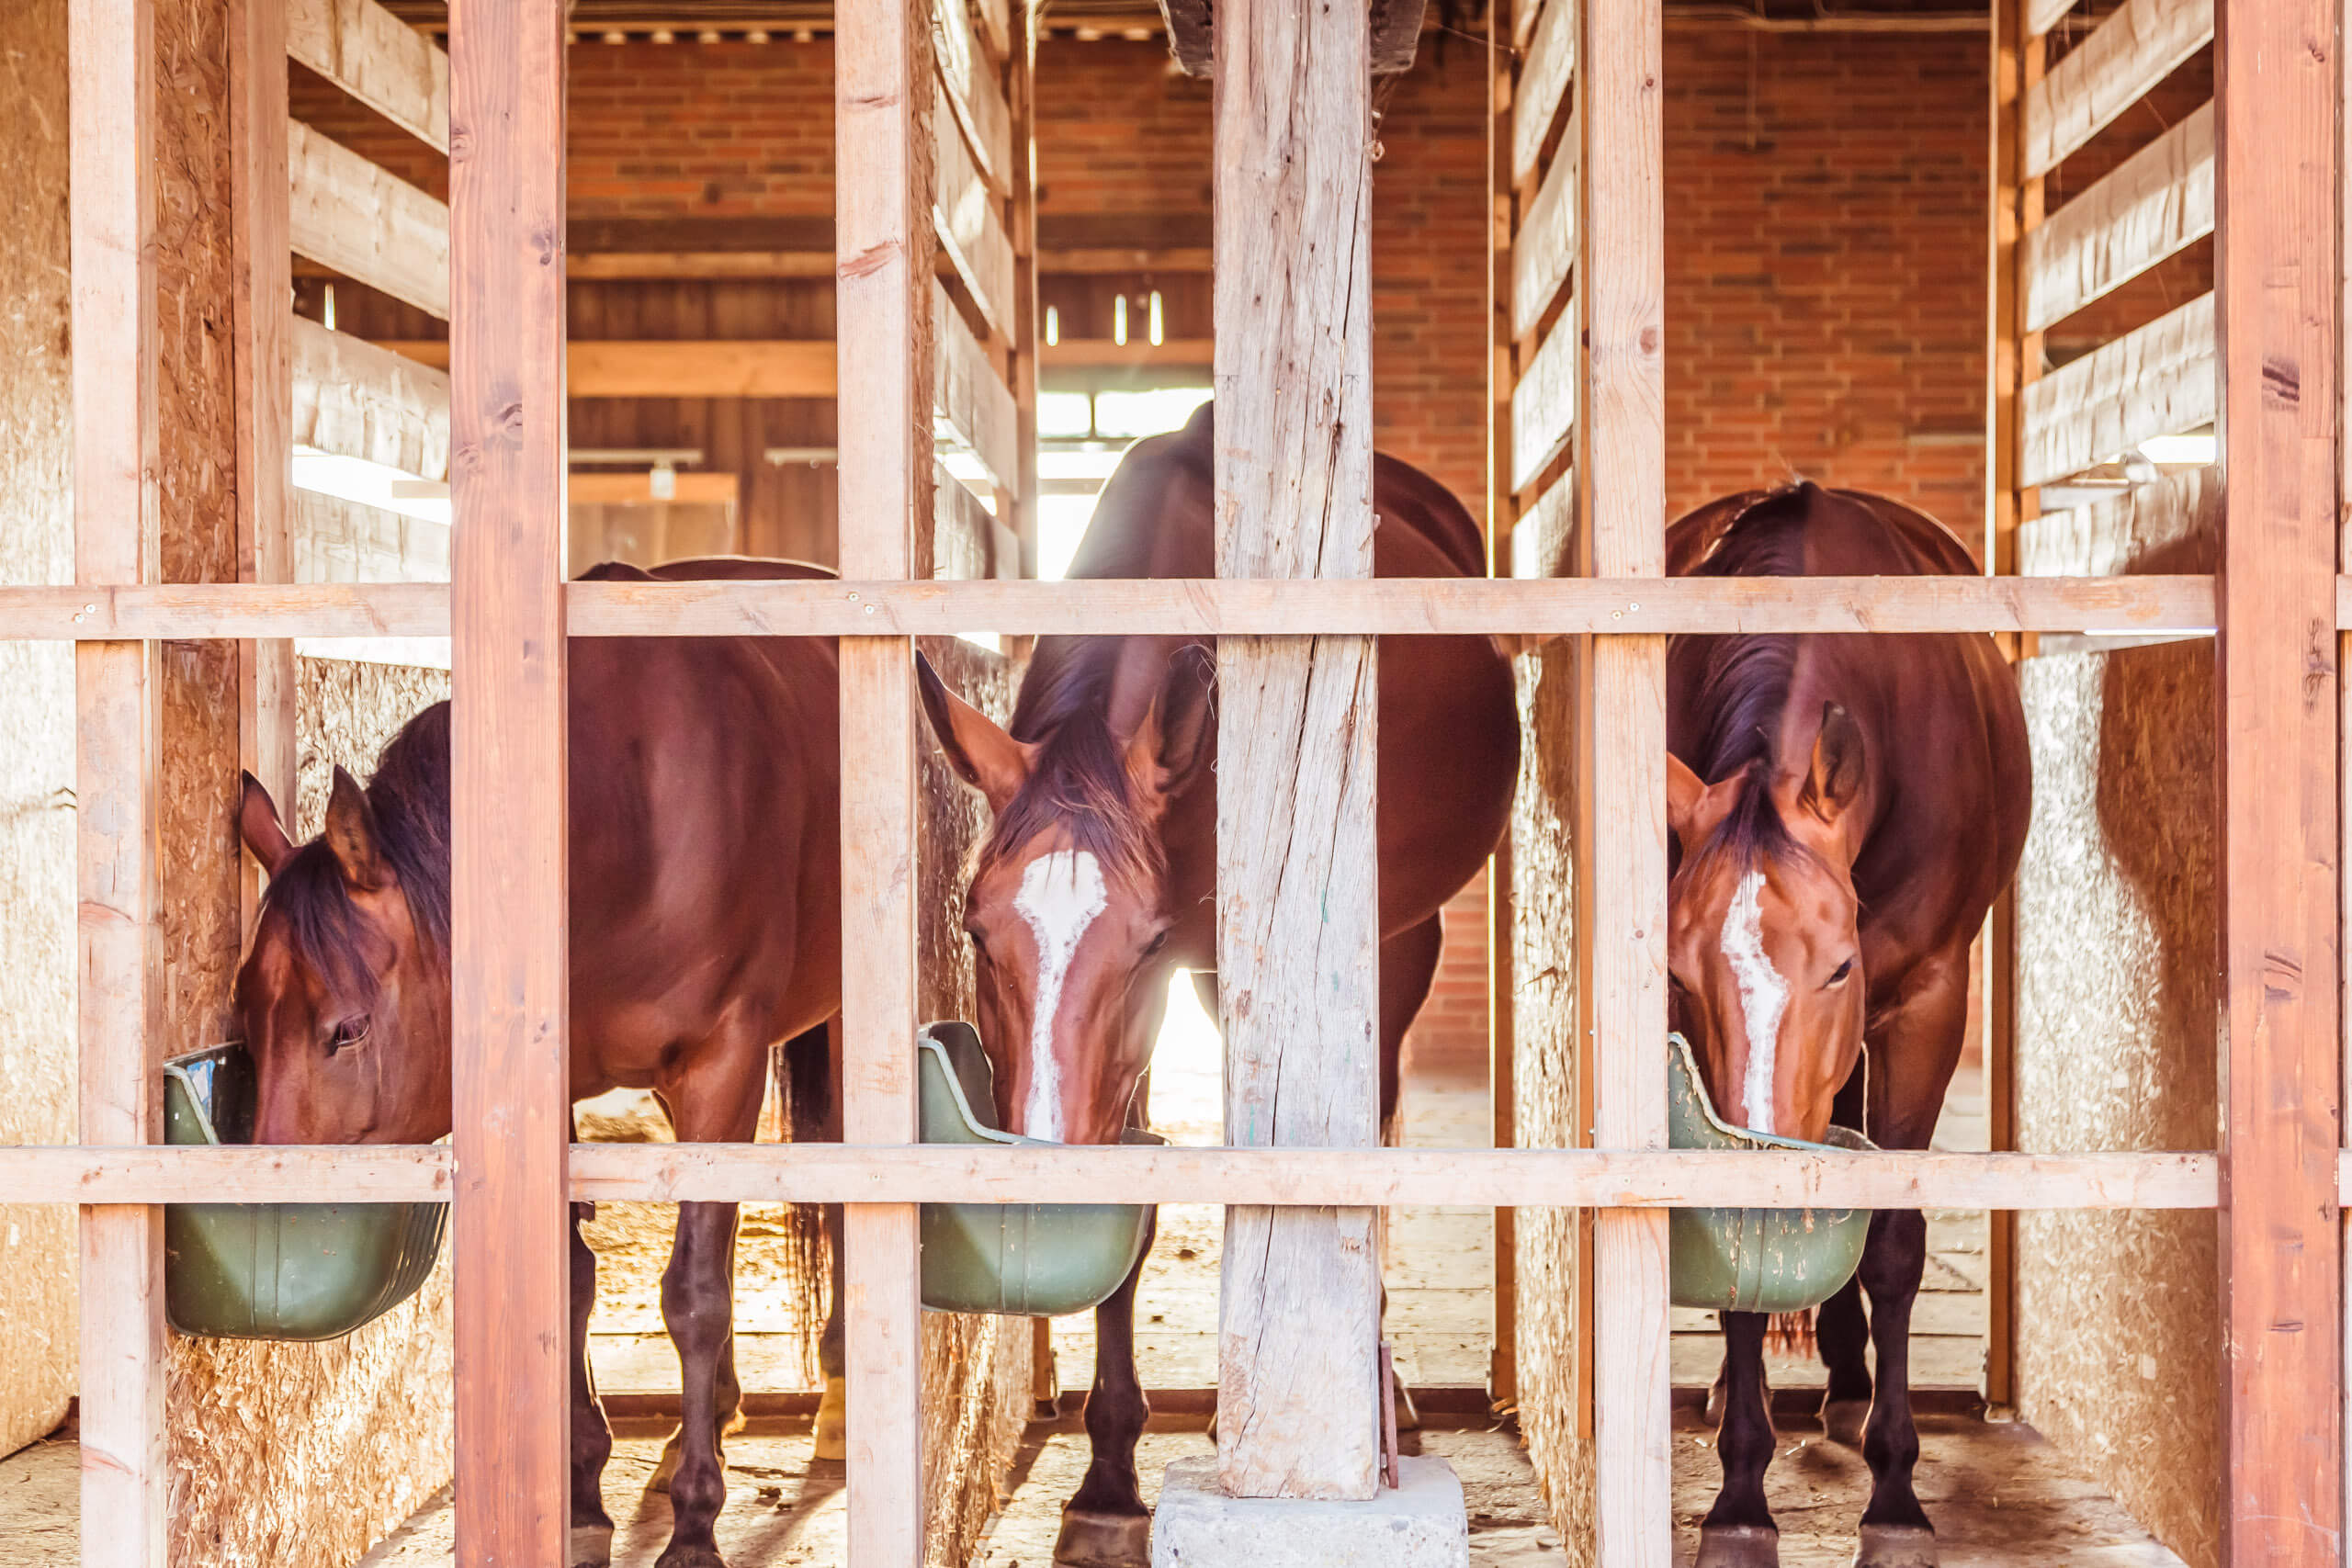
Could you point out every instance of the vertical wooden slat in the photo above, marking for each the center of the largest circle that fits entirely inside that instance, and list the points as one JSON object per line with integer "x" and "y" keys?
{"x": 510, "y": 981}
{"x": 1620, "y": 283}
{"x": 882, "y": 86}
{"x": 1502, "y": 1373}
{"x": 2277, "y": 283}
{"x": 265, "y": 393}
{"x": 1022, "y": 72}
{"x": 1298, "y": 906}
{"x": 112, "y": 118}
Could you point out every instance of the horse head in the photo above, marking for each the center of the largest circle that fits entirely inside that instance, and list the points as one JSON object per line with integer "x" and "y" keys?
{"x": 1762, "y": 940}
{"x": 343, "y": 998}
{"x": 1069, "y": 904}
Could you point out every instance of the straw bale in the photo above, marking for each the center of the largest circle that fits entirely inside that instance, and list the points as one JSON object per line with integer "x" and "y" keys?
{"x": 38, "y": 1307}
{"x": 1544, "y": 1014}
{"x": 975, "y": 1369}
{"x": 303, "y": 1455}
{"x": 2118, "y": 1348}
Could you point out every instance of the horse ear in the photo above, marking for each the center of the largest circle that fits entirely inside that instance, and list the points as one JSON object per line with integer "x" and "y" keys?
{"x": 1172, "y": 744}
{"x": 976, "y": 746}
{"x": 1686, "y": 798}
{"x": 258, "y": 826}
{"x": 350, "y": 834}
{"x": 1835, "y": 776}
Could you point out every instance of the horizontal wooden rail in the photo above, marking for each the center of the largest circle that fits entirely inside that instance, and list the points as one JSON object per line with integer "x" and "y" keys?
{"x": 1171, "y": 606}
{"x": 836, "y": 1173}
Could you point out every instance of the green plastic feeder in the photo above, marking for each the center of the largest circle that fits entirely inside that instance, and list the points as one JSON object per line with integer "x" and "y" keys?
{"x": 1753, "y": 1259}
{"x": 278, "y": 1270}
{"x": 1023, "y": 1260}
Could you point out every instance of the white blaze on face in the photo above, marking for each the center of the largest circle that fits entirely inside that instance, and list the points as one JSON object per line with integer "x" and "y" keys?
{"x": 1763, "y": 996}
{"x": 1060, "y": 894}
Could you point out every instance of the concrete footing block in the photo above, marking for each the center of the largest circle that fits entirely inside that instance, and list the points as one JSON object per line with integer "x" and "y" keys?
{"x": 1422, "y": 1524}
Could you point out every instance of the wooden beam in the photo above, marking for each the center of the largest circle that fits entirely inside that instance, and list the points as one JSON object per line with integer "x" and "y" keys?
{"x": 968, "y": 218}
{"x": 1091, "y": 352}
{"x": 1396, "y": 34}
{"x": 1017, "y": 522}
{"x": 970, "y": 399}
{"x": 510, "y": 980}
{"x": 1160, "y": 606}
{"x": 1298, "y": 915}
{"x": 346, "y": 541}
{"x": 367, "y": 224}
{"x": 357, "y": 400}
{"x": 1621, "y": 467}
{"x": 637, "y": 490}
{"x": 2175, "y": 520}
{"x": 1542, "y": 86}
{"x": 2158, "y": 381}
{"x": 701, "y": 266}
{"x": 884, "y": 89}
{"x": 2153, "y": 205}
{"x": 118, "y": 940}
{"x": 1544, "y": 247}
{"x": 2278, "y": 80}
{"x": 377, "y": 58}
{"x": 973, "y": 96}
{"x": 2140, "y": 44}
{"x": 1544, "y": 403}
{"x": 2041, "y": 15}
{"x": 1112, "y": 260}
{"x": 834, "y": 1173}
{"x": 664, "y": 367}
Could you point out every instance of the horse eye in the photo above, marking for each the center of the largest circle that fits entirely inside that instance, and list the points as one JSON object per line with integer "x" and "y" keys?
{"x": 979, "y": 943}
{"x": 1843, "y": 970}
{"x": 1158, "y": 940}
{"x": 349, "y": 1033}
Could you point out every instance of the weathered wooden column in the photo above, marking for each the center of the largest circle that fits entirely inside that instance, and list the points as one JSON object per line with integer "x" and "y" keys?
{"x": 1298, "y": 886}
{"x": 2277, "y": 79}
{"x": 117, "y": 692}
{"x": 882, "y": 196}
{"x": 510, "y": 989}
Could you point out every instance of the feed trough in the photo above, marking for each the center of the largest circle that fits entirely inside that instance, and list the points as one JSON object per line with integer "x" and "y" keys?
{"x": 1753, "y": 1259}
{"x": 1025, "y": 1259}
{"x": 278, "y": 1270}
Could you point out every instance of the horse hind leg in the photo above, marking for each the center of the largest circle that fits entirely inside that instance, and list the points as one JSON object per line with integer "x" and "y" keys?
{"x": 1408, "y": 963}
{"x": 591, "y": 1437}
{"x": 1105, "y": 1523}
{"x": 1738, "y": 1531}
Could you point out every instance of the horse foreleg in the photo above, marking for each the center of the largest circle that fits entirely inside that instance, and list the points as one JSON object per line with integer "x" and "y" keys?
{"x": 727, "y": 1400}
{"x": 697, "y": 1306}
{"x": 833, "y": 1360}
{"x": 1106, "y": 1524}
{"x": 591, "y": 1437}
{"x": 1840, "y": 1330}
{"x": 1738, "y": 1531}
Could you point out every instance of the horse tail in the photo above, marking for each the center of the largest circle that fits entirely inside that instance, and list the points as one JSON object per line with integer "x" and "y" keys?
{"x": 803, "y": 1082}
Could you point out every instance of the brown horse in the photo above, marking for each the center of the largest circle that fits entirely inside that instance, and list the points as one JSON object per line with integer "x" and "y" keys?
{"x": 1099, "y": 877}
{"x": 705, "y": 927}
{"x": 1852, "y": 807}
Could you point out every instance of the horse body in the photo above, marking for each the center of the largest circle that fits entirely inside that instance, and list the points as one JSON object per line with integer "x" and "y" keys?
{"x": 704, "y": 778}
{"x": 1102, "y": 778}
{"x": 1867, "y": 797}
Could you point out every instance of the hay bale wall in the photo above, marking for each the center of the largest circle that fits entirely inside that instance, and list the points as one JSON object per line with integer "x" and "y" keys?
{"x": 975, "y": 1369}
{"x": 1544, "y": 1081}
{"x": 303, "y": 1455}
{"x": 2118, "y": 1347}
{"x": 37, "y": 1316}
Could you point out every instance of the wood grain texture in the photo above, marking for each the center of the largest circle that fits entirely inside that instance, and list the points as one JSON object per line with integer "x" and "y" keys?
{"x": 970, "y": 399}
{"x": 358, "y": 401}
{"x": 378, "y": 59}
{"x": 1544, "y": 403}
{"x": 969, "y": 220}
{"x": 2278, "y": 287}
{"x": 2175, "y": 522}
{"x": 1620, "y": 290}
{"x": 1298, "y": 906}
{"x": 2139, "y": 44}
{"x": 2153, "y": 205}
{"x": 2157, "y": 380}
{"x": 114, "y": 120}
{"x": 663, "y": 368}
{"x": 2041, "y": 15}
{"x": 1546, "y": 243}
{"x": 367, "y": 223}
{"x": 972, "y": 94}
{"x": 510, "y": 991}
{"x": 1542, "y": 85}
{"x": 884, "y": 89}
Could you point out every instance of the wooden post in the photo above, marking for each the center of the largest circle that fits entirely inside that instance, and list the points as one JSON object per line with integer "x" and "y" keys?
{"x": 263, "y": 309}
{"x": 1503, "y": 513}
{"x": 510, "y": 976}
{"x": 1297, "y": 895}
{"x": 1022, "y": 70}
{"x": 1621, "y": 468}
{"x": 111, "y": 61}
{"x": 882, "y": 104}
{"x": 2277, "y": 79}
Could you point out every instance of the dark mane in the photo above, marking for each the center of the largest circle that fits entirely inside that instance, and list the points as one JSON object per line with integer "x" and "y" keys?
{"x": 409, "y": 799}
{"x": 1748, "y": 676}
{"x": 1078, "y": 781}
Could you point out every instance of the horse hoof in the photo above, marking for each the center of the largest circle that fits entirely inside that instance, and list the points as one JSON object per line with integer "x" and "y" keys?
{"x": 832, "y": 1421}
{"x": 1896, "y": 1546}
{"x": 1090, "y": 1540}
{"x": 1842, "y": 1421}
{"x": 1737, "y": 1546}
{"x": 592, "y": 1546}
{"x": 678, "y": 1556}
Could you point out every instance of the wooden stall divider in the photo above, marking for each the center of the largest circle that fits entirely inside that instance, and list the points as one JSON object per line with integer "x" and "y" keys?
{"x": 510, "y": 977}
{"x": 1502, "y": 295}
{"x": 1297, "y": 874}
{"x": 111, "y": 61}
{"x": 883, "y": 103}
{"x": 2278, "y": 289}
{"x": 1621, "y": 470}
